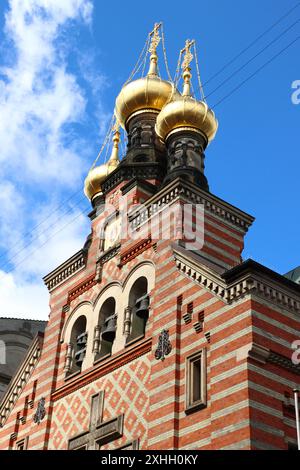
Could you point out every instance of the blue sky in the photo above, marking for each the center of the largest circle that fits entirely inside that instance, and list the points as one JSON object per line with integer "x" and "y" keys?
{"x": 62, "y": 64}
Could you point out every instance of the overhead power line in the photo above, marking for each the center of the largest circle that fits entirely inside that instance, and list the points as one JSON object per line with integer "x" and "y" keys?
{"x": 257, "y": 39}
{"x": 43, "y": 244}
{"x": 29, "y": 233}
{"x": 253, "y": 58}
{"x": 256, "y": 72}
{"x": 36, "y": 236}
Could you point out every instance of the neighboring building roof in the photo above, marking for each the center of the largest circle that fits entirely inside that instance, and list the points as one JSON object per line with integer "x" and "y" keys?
{"x": 21, "y": 377}
{"x": 294, "y": 275}
{"x": 245, "y": 278}
{"x": 16, "y": 336}
{"x": 253, "y": 266}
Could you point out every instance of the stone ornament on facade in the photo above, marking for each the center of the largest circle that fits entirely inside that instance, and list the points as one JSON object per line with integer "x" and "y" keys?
{"x": 114, "y": 198}
{"x": 40, "y": 412}
{"x": 164, "y": 346}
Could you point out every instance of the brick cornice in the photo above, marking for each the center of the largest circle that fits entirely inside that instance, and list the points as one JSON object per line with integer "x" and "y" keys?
{"x": 259, "y": 353}
{"x": 82, "y": 287}
{"x": 21, "y": 378}
{"x": 190, "y": 193}
{"x": 249, "y": 282}
{"x": 283, "y": 361}
{"x": 135, "y": 250}
{"x": 103, "y": 368}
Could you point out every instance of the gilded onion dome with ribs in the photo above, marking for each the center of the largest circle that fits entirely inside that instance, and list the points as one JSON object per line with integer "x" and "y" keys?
{"x": 149, "y": 93}
{"x": 185, "y": 112}
{"x": 96, "y": 176}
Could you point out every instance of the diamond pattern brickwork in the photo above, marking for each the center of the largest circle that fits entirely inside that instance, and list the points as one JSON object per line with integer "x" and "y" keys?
{"x": 125, "y": 392}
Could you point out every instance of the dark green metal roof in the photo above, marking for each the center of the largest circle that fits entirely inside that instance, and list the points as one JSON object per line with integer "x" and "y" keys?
{"x": 294, "y": 275}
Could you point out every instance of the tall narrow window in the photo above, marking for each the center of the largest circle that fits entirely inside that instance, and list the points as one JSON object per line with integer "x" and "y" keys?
{"x": 196, "y": 381}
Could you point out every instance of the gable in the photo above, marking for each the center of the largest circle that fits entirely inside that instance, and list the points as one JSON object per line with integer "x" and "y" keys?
{"x": 21, "y": 378}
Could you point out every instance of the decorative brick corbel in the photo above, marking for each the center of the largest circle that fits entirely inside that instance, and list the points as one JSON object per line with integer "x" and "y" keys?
{"x": 253, "y": 351}
{"x": 259, "y": 353}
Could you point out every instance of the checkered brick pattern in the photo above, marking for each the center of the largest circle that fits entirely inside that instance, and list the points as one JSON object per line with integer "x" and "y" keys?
{"x": 125, "y": 392}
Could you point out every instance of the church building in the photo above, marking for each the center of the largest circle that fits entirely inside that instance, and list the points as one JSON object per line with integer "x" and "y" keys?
{"x": 160, "y": 334}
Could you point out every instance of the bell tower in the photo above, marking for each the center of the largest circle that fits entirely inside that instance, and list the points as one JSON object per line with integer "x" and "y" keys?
{"x": 186, "y": 126}
{"x": 137, "y": 107}
{"x": 160, "y": 336}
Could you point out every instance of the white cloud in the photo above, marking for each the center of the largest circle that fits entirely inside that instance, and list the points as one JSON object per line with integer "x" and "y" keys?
{"x": 22, "y": 293}
{"x": 22, "y": 299}
{"x": 38, "y": 97}
{"x": 40, "y": 159}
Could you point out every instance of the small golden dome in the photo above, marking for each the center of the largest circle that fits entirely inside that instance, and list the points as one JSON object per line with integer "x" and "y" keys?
{"x": 93, "y": 181}
{"x": 148, "y": 93}
{"x": 185, "y": 111}
{"x": 98, "y": 174}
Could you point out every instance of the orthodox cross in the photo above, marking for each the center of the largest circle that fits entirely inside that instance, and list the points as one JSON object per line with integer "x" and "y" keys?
{"x": 155, "y": 38}
{"x": 99, "y": 432}
{"x": 188, "y": 55}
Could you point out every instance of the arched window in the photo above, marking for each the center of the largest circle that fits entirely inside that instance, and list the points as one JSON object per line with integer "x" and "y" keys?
{"x": 105, "y": 331}
{"x": 77, "y": 346}
{"x": 138, "y": 309}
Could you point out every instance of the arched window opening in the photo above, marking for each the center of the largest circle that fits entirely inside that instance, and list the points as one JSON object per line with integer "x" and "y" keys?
{"x": 77, "y": 346}
{"x": 138, "y": 310}
{"x": 105, "y": 331}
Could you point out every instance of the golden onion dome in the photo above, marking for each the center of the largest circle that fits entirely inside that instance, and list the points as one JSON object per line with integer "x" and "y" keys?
{"x": 150, "y": 93}
{"x": 98, "y": 174}
{"x": 186, "y": 112}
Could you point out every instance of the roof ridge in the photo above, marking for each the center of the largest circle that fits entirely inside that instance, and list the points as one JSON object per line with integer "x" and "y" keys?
{"x": 23, "y": 319}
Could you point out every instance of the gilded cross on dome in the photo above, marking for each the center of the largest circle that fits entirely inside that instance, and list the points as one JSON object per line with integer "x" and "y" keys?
{"x": 188, "y": 55}
{"x": 155, "y": 38}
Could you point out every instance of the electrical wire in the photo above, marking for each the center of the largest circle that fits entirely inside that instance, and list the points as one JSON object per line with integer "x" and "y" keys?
{"x": 43, "y": 244}
{"x": 257, "y": 39}
{"x": 253, "y": 58}
{"x": 36, "y": 237}
{"x": 256, "y": 72}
